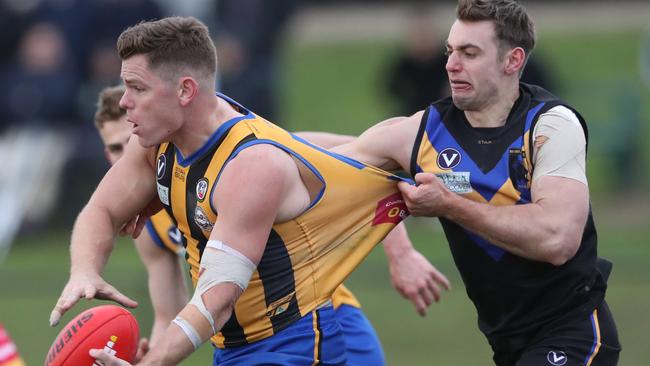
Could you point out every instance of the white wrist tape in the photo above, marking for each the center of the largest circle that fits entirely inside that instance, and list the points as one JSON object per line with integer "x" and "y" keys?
{"x": 219, "y": 265}
{"x": 189, "y": 331}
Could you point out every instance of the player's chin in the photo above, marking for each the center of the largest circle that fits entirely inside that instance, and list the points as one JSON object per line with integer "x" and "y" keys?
{"x": 463, "y": 102}
{"x": 146, "y": 143}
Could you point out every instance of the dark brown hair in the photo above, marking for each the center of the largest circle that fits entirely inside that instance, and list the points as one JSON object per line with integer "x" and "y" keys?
{"x": 175, "y": 44}
{"x": 108, "y": 105}
{"x": 512, "y": 25}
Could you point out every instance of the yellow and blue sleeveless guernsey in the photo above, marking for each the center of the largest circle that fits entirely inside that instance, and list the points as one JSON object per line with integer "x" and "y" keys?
{"x": 162, "y": 229}
{"x": 306, "y": 258}
{"x": 512, "y": 295}
{"x": 165, "y": 234}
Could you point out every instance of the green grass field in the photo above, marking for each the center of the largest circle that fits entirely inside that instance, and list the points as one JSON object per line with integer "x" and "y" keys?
{"x": 37, "y": 270}
{"x": 336, "y": 88}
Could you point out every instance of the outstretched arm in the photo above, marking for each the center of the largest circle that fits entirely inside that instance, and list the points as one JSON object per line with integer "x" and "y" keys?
{"x": 325, "y": 139}
{"x": 386, "y": 145}
{"x": 123, "y": 192}
{"x": 412, "y": 275}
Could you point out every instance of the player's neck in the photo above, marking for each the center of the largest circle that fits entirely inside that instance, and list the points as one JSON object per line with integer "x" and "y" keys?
{"x": 495, "y": 113}
{"x": 201, "y": 123}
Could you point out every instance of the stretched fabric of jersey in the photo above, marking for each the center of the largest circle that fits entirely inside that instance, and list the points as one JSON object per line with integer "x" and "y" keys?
{"x": 305, "y": 258}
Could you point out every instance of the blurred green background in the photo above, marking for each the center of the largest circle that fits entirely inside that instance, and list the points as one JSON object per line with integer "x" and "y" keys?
{"x": 336, "y": 87}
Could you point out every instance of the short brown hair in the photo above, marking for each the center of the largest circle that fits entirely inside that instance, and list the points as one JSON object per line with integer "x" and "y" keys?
{"x": 108, "y": 105}
{"x": 174, "y": 43}
{"x": 512, "y": 25}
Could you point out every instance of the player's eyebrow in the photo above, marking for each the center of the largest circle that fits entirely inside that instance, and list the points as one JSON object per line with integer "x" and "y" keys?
{"x": 130, "y": 81}
{"x": 462, "y": 47}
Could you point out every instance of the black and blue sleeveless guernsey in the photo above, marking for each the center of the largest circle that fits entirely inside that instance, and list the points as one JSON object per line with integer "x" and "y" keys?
{"x": 514, "y": 296}
{"x": 305, "y": 258}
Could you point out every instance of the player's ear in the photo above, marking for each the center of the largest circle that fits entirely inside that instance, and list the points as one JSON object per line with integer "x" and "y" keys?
{"x": 514, "y": 60}
{"x": 188, "y": 89}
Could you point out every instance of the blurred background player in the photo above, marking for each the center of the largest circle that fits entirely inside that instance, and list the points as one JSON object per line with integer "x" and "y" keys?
{"x": 415, "y": 77}
{"x": 34, "y": 114}
{"x": 248, "y": 37}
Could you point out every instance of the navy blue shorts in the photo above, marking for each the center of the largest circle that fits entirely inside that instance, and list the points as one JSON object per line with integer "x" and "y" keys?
{"x": 589, "y": 341}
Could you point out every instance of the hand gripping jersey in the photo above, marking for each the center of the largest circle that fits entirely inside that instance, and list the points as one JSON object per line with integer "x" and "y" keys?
{"x": 513, "y": 295}
{"x": 306, "y": 258}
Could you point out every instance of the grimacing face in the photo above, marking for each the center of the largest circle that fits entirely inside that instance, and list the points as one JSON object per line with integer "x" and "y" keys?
{"x": 475, "y": 72}
{"x": 115, "y": 135}
{"x": 151, "y": 102}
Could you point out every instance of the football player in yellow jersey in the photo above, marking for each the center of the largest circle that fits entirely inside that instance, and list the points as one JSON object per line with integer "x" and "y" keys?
{"x": 323, "y": 214}
{"x": 161, "y": 242}
{"x": 322, "y": 231}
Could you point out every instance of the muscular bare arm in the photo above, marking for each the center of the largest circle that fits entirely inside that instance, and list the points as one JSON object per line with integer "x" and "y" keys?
{"x": 386, "y": 145}
{"x": 548, "y": 229}
{"x": 123, "y": 192}
{"x": 325, "y": 139}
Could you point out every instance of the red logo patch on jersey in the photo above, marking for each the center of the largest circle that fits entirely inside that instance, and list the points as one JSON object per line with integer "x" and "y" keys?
{"x": 391, "y": 209}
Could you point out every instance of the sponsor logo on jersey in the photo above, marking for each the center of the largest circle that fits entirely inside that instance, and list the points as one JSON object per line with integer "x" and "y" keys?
{"x": 161, "y": 164}
{"x": 280, "y": 306}
{"x": 391, "y": 209}
{"x": 179, "y": 173}
{"x": 163, "y": 194}
{"x": 557, "y": 358}
{"x": 448, "y": 158}
{"x": 201, "y": 219}
{"x": 201, "y": 189}
{"x": 457, "y": 182}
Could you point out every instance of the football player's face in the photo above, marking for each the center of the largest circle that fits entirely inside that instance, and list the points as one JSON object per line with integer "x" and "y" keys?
{"x": 115, "y": 135}
{"x": 473, "y": 66}
{"x": 151, "y": 102}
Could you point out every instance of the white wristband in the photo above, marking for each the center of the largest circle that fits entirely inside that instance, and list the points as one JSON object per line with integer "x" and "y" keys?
{"x": 189, "y": 331}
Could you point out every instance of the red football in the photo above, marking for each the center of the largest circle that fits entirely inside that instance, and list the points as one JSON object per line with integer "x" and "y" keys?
{"x": 108, "y": 326}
